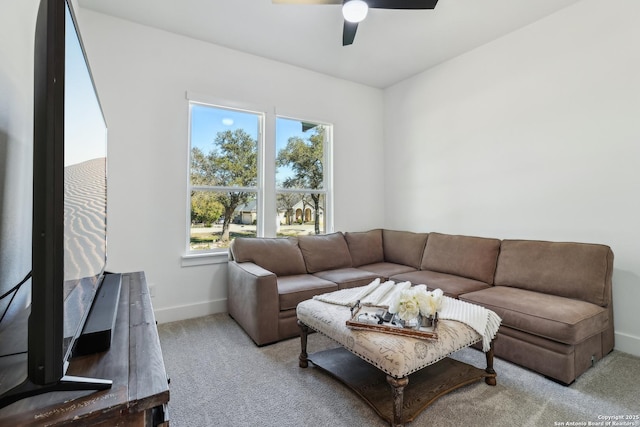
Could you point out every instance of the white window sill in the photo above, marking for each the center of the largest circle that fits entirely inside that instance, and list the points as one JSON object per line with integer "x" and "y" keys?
{"x": 191, "y": 260}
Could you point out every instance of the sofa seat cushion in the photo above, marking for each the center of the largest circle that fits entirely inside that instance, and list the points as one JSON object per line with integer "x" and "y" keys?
{"x": 294, "y": 289}
{"x": 347, "y": 277}
{"x": 451, "y": 285}
{"x": 365, "y": 247}
{"x": 324, "y": 252}
{"x": 386, "y": 269}
{"x": 466, "y": 256}
{"x": 557, "y": 318}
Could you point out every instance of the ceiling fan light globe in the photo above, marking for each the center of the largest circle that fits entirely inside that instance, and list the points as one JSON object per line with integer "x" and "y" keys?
{"x": 355, "y": 10}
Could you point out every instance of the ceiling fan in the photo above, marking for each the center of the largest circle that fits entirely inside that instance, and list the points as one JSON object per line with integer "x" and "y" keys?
{"x": 355, "y": 11}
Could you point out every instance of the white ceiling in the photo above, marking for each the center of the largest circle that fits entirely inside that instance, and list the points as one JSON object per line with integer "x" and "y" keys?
{"x": 390, "y": 45}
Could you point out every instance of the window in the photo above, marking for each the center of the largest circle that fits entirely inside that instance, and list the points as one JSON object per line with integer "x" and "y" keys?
{"x": 241, "y": 171}
{"x": 223, "y": 175}
{"x": 300, "y": 176}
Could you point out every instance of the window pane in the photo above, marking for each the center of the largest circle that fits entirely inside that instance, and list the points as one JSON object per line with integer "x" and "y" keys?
{"x": 299, "y": 154}
{"x": 300, "y": 214}
{"x": 223, "y": 175}
{"x": 210, "y": 228}
{"x": 224, "y": 147}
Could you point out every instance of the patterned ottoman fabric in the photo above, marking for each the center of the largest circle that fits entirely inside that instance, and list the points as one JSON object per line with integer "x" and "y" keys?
{"x": 395, "y": 355}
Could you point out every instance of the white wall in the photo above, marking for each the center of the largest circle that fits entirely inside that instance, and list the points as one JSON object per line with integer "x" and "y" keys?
{"x": 142, "y": 75}
{"x": 17, "y": 25}
{"x": 535, "y": 135}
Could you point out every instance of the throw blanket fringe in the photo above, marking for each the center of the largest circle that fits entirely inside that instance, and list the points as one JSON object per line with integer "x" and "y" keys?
{"x": 485, "y": 322}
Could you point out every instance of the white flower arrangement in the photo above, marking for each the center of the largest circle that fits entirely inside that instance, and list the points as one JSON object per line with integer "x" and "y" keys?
{"x": 414, "y": 301}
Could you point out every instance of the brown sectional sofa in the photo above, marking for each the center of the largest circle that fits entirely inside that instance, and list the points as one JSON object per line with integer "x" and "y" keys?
{"x": 554, "y": 298}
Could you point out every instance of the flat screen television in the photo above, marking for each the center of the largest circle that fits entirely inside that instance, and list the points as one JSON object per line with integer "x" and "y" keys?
{"x": 69, "y": 245}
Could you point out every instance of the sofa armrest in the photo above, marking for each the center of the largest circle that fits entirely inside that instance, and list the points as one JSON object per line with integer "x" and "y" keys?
{"x": 253, "y": 300}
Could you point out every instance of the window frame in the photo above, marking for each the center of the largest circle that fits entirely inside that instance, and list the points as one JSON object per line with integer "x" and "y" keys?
{"x": 327, "y": 186}
{"x": 266, "y": 189}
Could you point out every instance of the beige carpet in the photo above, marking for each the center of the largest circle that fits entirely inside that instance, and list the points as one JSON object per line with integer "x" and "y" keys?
{"x": 220, "y": 378}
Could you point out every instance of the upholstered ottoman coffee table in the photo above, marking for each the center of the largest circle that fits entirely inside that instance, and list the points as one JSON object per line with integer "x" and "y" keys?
{"x": 369, "y": 361}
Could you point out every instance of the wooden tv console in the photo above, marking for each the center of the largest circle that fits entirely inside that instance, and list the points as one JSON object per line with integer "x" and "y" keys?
{"x": 140, "y": 392}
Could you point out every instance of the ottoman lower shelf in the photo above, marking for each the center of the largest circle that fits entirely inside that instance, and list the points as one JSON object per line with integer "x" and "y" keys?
{"x": 425, "y": 385}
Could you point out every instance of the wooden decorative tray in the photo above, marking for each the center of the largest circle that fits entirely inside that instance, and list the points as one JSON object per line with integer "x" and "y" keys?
{"x": 364, "y": 317}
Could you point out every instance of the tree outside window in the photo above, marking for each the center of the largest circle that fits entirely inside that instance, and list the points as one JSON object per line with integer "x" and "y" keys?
{"x": 302, "y": 164}
{"x": 223, "y": 173}
{"x": 226, "y": 148}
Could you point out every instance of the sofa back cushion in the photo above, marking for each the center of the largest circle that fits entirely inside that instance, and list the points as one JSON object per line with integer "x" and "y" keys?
{"x": 574, "y": 270}
{"x": 404, "y": 247}
{"x": 365, "y": 247}
{"x": 324, "y": 252}
{"x": 281, "y": 256}
{"x": 466, "y": 256}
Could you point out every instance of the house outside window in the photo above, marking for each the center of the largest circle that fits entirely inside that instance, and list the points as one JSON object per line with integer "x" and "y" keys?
{"x": 247, "y": 166}
{"x": 300, "y": 176}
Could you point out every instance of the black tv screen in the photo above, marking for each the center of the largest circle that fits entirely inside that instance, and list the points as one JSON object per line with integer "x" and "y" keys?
{"x": 69, "y": 192}
{"x": 69, "y": 204}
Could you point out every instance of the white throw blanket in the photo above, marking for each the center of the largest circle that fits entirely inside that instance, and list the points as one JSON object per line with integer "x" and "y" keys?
{"x": 485, "y": 322}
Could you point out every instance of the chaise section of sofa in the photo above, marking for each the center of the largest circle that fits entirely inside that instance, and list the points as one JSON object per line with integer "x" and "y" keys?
{"x": 555, "y": 302}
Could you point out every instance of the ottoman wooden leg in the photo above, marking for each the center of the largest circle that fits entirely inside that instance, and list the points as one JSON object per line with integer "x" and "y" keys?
{"x": 303, "y": 358}
{"x": 397, "y": 387}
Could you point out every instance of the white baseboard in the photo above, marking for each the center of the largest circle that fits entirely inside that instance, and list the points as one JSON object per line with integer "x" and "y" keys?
{"x": 172, "y": 314}
{"x": 627, "y": 343}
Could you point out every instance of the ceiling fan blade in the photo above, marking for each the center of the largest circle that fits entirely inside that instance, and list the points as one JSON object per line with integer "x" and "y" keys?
{"x": 349, "y": 32}
{"x": 306, "y": 1}
{"x": 402, "y": 4}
